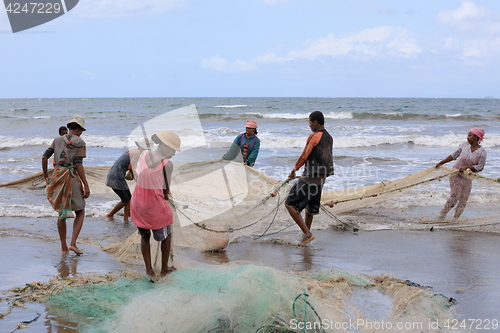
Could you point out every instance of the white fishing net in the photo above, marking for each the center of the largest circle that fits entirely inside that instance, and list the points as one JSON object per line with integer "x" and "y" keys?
{"x": 215, "y": 202}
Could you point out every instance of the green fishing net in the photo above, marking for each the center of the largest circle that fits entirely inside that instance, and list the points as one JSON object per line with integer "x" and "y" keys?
{"x": 241, "y": 299}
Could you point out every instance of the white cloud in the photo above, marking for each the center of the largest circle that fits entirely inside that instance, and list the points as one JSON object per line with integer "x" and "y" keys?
{"x": 468, "y": 11}
{"x": 469, "y": 49}
{"x": 376, "y": 42}
{"x": 481, "y": 48}
{"x": 218, "y": 63}
{"x": 471, "y": 17}
{"x": 118, "y": 8}
{"x": 474, "y": 24}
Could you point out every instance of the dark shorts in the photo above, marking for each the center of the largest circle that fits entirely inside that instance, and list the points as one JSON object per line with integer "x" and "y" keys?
{"x": 303, "y": 195}
{"x": 124, "y": 195}
{"x": 159, "y": 234}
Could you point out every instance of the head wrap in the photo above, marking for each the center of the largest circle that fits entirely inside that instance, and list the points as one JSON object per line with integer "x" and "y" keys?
{"x": 251, "y": 124}
{"x": 479, "y": 132}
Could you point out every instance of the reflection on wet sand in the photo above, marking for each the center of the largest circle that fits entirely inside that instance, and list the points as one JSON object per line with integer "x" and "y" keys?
{"x": 461, "y": 265}
{"x": 305, "y": 257}
{"x": 217, "y": 257}
{"x": 67, "y": 265}
{"x": 58, "y": 323}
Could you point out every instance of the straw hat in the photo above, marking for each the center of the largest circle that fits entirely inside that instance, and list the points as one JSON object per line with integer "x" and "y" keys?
{"x": 78, "y": 120}
{"x": 145, "y": 143}
{"x": 170, "y": 139}
{"x": 251, "y": 124}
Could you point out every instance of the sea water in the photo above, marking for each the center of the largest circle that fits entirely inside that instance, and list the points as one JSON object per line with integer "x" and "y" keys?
{"x": 375, "y": 139}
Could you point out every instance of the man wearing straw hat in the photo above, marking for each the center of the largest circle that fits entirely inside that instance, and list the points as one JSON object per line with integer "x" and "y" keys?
{"x": 68, "y": 186}
{"x": 150, "y": 210}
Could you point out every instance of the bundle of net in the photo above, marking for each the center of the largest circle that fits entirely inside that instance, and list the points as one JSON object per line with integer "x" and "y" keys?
{"x": 247, "y": 299}
{"x": 214, "y": 203}
{"x": 416, "y": 202}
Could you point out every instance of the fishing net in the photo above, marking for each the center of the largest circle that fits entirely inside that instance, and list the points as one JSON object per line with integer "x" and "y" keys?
{"x": 415, "y": 201}
{"x": 96, "y": 177}
{"x": 238, "y": 299}
{"x": 218, "y": 202}
{"x": 215, "y": 202}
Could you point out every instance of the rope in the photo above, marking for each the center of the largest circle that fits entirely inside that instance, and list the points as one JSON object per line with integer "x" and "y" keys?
{"x": 338, "y": 220}
{"x": 457, "y": 226}
{"x": 469, "y": 174}
{"x": 204, "y": 227}
{"x": 436, "y": 227}
{"x": 272, "y": 221}
{"x": 397, "y": 189}
{"x": 306, "y": 303}
{"x": 277, "y": 232}
{"x": 305, "y": 308}
{"x": 271, "y": 193}
{"x": 24, "y": 322}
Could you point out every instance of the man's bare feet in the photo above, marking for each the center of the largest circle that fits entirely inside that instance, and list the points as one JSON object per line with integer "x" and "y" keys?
{"x": 110, "y": 217}
{"x": 75, "y": 249}
{"x": 151, "y": 274}
{"x": 64, "y": 251}
{"x": 306, "y": 239}
{"x": 169, "y": 270}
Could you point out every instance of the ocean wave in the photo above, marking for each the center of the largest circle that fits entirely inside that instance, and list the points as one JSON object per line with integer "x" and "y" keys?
{"x": 289, "y": 116}
{"x": 106, "y": 141}
{"x": 344, "y": 137}
{"x": 11, "y": 142}
{"x": 285, "y": 115}
{"x": 413, "y": 116}
{"x": 450, "y": 140}
{"x": 352, "y": 139}
{"x": 94, "y": 141}
{"x": 223, "y": 131}
{"x": 271, "y": 141}
{"x": 231, "y": 106}
{"x": 45, "y": 210}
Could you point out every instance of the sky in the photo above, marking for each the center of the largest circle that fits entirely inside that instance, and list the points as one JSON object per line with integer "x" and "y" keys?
{"x": 257, "y": 48}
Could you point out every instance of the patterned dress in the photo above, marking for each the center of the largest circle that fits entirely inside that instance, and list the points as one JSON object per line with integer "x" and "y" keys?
{"x": 460, "y": 185}
{"x": 65, "y": 189}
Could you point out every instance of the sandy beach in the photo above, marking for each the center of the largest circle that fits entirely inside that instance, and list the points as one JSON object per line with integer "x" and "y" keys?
{"x": 457, "y": 264}
{"x": 377, "y": 141}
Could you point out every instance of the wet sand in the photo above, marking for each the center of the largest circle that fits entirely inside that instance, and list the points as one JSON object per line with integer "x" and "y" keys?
{"x": 458, "y": 264}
